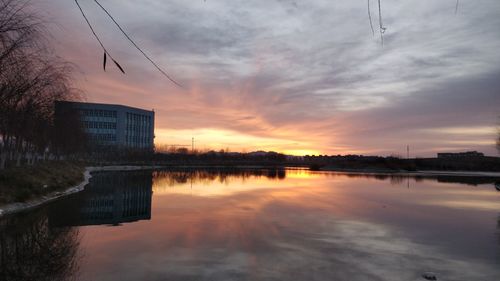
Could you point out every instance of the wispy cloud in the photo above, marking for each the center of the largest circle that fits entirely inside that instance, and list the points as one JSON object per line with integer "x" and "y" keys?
{"x": 308, "y": 73}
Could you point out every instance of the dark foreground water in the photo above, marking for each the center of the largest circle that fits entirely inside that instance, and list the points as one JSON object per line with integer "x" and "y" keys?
{"x": 259, "y": 225}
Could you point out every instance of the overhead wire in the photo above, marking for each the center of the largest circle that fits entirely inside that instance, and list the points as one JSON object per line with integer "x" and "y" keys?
{"x": 136, "y": 46}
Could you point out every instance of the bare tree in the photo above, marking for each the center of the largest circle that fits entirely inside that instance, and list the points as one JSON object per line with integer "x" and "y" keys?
{"x": 31, "y": 80}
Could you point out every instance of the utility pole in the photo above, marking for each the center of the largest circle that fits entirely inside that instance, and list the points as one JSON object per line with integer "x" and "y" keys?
{"x": 192, "y": 144}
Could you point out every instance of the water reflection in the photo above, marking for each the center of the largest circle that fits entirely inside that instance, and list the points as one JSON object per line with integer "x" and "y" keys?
{"x": 258, "y": 224}
{"x": 164, "y": 179}
{"x": 32, "y": 250}
{"x": 397, "y": 179}
{"x": 174, "y": 177}
{"x": 498, "y": 229}
{"x": 110, "y": 198}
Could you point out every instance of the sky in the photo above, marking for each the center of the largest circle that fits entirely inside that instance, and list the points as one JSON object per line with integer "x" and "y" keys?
{"x": 298, "y": 77}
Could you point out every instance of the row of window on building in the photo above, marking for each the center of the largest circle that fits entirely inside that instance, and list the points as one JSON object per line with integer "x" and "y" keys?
{"x": 103, "y": 137}
{"x": 137, "y": 118}
{"x": 99, "y": 125}
{"x": 98, "y": 113}
{"x": 137, "y": 140}
{"x": 138, "y": 128}
{"x": 136, "y": 202}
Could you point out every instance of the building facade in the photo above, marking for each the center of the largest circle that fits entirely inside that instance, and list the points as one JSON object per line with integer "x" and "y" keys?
{"x": 113, "y": 125}
{"x": 467, "y": 154}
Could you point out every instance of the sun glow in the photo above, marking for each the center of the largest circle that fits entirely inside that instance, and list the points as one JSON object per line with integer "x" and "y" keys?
{"x": 217, "y": 139}
{"x": 302, "y": 152}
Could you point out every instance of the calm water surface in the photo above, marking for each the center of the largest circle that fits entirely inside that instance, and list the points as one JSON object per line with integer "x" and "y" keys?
{"x": 259, "y": 225}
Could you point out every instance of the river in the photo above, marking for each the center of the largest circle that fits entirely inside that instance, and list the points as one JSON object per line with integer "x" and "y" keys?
{"x": 255, "y": 224}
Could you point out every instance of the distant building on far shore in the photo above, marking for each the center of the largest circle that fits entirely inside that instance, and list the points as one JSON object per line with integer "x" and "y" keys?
{"x": 467, "y": 154}
{"x": 112, "y": 125}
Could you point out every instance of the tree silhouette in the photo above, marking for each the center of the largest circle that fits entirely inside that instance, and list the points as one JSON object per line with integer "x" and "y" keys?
{"x": 31, "y": 80}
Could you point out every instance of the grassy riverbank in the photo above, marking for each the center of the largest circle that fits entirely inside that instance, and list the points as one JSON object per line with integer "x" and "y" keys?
{"x": 24, "y": 183}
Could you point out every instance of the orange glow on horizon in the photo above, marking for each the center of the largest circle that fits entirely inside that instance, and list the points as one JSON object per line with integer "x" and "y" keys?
{"x": 217, "y": 139}
{"x": 302, "y": 152}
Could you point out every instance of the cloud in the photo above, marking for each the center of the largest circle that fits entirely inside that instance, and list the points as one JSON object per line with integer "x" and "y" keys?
{"x": 296, "y": 71}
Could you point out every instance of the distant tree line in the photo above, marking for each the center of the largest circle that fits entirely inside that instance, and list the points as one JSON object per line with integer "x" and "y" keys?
{"x": 32, "y": 78}
{"x": 393, "y": 163}
{"x": 498, "y": 143}
{"x": 181, "y": 156}
{"x": 498, "y": 140}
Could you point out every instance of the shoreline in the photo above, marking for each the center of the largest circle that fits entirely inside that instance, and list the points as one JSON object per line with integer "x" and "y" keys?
{"x": 18, "y": 207}
{"x": 31, "y": 204}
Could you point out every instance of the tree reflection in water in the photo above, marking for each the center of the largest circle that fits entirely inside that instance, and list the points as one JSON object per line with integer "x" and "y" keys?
{"x": 173, "y": 177}
{"x": 498, "y": 229}
{"x": 31, "y": 250}
{"x": 400, "y": 178}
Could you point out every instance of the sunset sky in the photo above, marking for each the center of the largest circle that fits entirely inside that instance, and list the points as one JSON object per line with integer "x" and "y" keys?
{"x": 299, "y": 77}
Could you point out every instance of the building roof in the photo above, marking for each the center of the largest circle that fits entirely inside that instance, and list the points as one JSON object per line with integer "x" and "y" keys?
{"x": 93, "y": 104}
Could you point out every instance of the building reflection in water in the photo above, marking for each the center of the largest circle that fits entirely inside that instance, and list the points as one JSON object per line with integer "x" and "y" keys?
{"x": 43, "y": 244}
{"x": 110, "y": 198}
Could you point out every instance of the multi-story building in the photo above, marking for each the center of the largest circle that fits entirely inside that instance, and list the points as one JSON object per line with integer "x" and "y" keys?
{"x": 467, "y": 154}
{"x": 113, "y": 125}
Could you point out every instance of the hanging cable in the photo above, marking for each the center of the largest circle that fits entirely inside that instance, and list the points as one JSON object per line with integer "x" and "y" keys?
{"x": 370, "y": 18}
{"x": 381, "y": 26}
{"x": 136, "y": 46}
{"x": 106, "y": 53}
